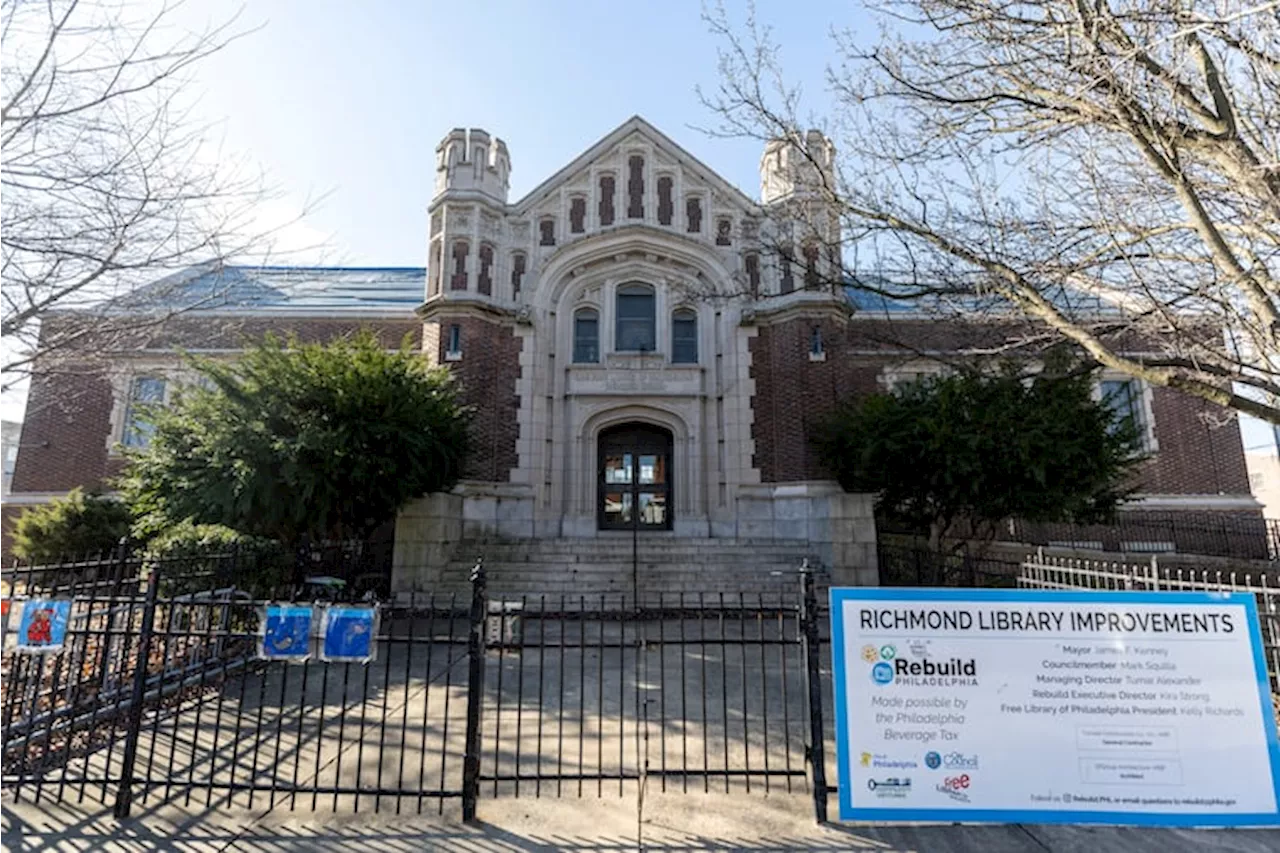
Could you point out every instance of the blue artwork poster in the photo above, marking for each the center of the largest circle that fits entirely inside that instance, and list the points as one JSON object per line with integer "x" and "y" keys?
{"x": 286, "y": 632}
{"x": 349, "y": 633}
{"x": 43, "y": 627}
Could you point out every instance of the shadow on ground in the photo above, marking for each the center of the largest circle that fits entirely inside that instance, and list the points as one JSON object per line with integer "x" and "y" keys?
{"x": 673, "y": 823}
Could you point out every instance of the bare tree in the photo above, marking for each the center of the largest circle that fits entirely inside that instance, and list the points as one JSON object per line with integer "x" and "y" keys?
{"x": 1109, "y": 170}
{"x": 108, "y": 181}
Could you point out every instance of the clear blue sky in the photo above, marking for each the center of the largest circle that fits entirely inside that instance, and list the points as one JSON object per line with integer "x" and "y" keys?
{"x": 347, "y": 100}
{"x": 350, "y": 99}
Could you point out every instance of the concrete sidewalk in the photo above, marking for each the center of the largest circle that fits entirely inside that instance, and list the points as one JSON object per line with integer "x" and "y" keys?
{"x": 673, "y": 822}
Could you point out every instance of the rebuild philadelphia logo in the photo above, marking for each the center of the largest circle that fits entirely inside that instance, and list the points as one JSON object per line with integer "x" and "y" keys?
{"x": 887, "y": 667}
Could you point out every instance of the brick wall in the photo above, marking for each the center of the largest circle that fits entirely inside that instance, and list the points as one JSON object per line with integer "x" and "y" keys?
{"x": 67, "y": 427}
{"x": 64, "y": 434}
{"x": 487, "y": 372}
{"x": 1200, "y": 450}
{"x": 793, "y": 393}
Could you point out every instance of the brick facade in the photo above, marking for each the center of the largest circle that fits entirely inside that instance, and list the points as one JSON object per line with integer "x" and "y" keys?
{"x": 69, "y": 405}
{"x": 1200, "y": 449}
{"x": 487, "y": 371}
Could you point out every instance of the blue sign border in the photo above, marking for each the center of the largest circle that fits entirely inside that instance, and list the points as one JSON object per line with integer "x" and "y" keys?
{"x": 848, "y": 811}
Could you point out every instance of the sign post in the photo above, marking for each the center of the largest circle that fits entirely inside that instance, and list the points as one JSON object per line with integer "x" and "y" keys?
{"x": 1149, "y": 708}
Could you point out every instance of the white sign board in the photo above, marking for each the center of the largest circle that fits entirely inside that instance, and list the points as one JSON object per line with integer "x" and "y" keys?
{"x": 1053, "y": 707}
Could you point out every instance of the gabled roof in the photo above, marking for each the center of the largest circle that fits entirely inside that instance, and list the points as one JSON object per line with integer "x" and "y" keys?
{"x": 659, "y": 140}
{"x": 274, "y": 289}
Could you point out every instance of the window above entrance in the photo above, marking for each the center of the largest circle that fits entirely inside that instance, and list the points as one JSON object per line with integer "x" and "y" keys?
{"x": 636, "y": 319}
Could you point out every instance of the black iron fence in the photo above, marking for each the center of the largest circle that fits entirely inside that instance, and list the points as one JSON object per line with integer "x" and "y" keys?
{"x": 902, "y": 565}
{"x": 1242, "y": 536}
{"x": 166, "y": 698}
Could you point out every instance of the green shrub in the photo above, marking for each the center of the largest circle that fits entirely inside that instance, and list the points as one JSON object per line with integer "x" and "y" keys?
{"x": 193, "y": 557}
{"x": 77, "y": 526}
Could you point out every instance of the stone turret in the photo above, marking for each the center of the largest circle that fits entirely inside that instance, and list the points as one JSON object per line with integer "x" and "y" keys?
{"x": 797, "y": 187}
{"x": 797, "y": 167}
{"x": 471, "y": 161}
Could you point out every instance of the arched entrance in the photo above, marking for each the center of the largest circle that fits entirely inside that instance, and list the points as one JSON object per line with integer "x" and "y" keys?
{"x": 634, "y": 478}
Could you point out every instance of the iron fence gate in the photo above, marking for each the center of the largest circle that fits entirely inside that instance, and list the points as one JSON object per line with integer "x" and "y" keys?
{"x": 588, "y": 695}
{"x": 166, "y": 698}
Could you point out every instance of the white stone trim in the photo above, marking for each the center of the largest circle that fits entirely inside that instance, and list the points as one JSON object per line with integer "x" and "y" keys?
{"x": 906, "y": 371}
{"x": 1208, "y": 503}
{"x": 32, "y": 498}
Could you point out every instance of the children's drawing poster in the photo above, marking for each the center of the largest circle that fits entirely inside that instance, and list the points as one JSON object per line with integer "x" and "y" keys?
{"x": 349, "y": 633}
{"x": 286, "y": 632}
{"x": 43, "y": 626}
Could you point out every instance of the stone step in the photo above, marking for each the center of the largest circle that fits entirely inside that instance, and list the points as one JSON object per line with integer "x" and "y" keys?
{"x": 669, "y": 565}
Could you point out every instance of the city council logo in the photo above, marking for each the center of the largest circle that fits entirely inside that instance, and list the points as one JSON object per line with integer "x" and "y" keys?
{"x": 870, "y": 654}
{"x": 932, "y": 760}
{"x": 882, "y": 673}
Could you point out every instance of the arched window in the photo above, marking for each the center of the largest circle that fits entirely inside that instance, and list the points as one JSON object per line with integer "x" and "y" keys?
{"x": 458, "y": 281}
{"x": 786, "y": 278}
{"x": 684, "y": 337}
{"x": 547, "y": 232}
{"x": 724, "y": 230}
{"x": 666, "y": 208}
{"x": 752, "y": 263}
{"x": 577, "y": 215}
{"x": 484, "y": 281}
{"x": 517, "y": 273}
{"x": 636, "y": 319}
{"x": 635, "y": 187}
{"x": 586, "y": 336}
{"x": 606, "y": 199}
{"x": 693, "y": 214}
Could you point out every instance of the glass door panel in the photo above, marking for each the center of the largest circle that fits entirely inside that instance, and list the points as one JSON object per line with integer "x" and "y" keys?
{"x": 617, "y": 469}
{"x": 617, "y": 509}
{"x": 653, "y": 509}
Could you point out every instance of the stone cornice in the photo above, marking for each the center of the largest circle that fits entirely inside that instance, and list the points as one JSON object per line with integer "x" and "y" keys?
{"x": 468, "y": 305}
{"x": 798, "y": 305}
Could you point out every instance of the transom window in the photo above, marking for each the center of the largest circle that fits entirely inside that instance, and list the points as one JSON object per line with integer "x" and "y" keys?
{"x": 586, "y": 336}
{"x": 636, "y": 319}
{"x": 684, "y": 337}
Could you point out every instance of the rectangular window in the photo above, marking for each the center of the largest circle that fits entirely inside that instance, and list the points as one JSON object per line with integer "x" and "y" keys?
{"x": 684, "y": 338}
{"x": 586, "y": 337}
{"x": 1124, "y": 398}
{"x": 635, "y": 330}
{"x": 146, "y": 391}
{"x": 815, "y": 341}
{"x": 453, "y": 349}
